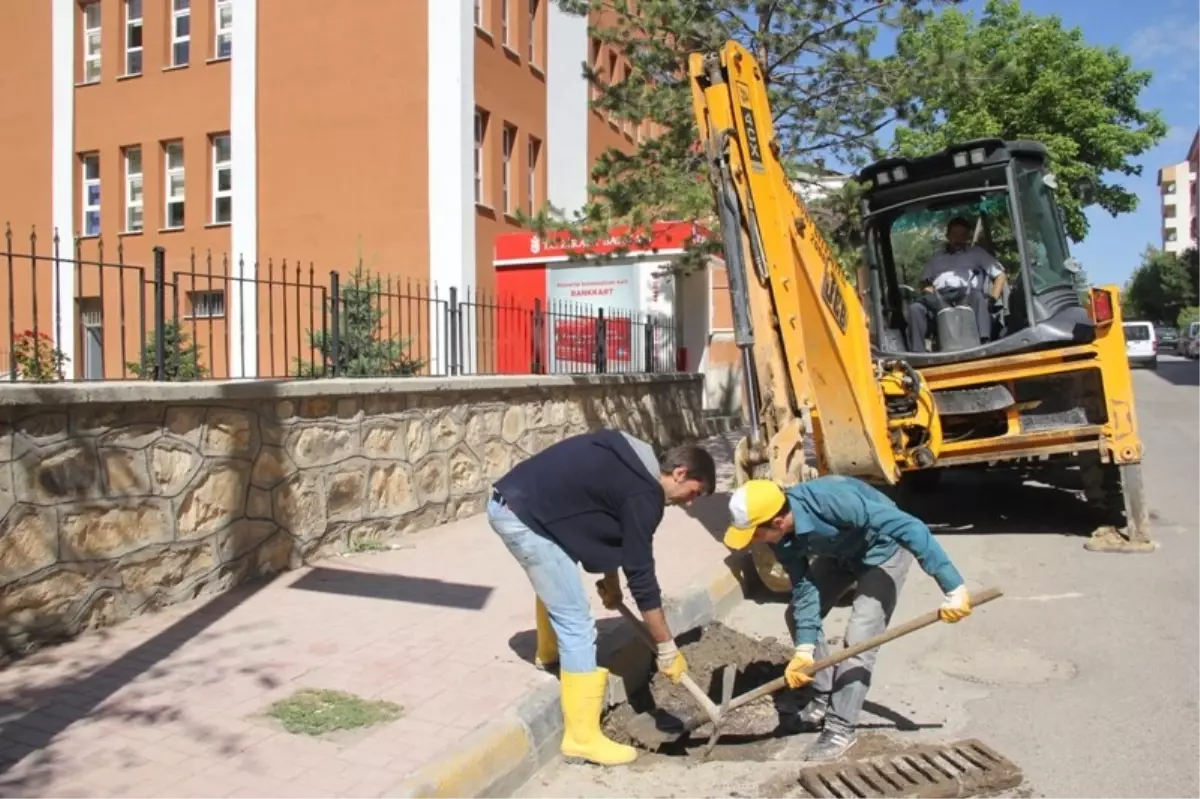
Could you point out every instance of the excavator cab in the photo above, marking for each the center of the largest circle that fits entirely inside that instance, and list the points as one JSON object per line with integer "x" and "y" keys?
{"x": 1023, "y": 293}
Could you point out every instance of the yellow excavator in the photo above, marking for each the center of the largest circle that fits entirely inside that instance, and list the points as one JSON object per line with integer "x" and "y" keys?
{"x": 886, "y": 400}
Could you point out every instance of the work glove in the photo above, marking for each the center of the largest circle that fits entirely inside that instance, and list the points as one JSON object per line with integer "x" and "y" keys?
{"x": 670, "y": 661}
{"x": 957, "y": 605}
{"x": 609, "y": 588}
{"x": 795, "y": 673}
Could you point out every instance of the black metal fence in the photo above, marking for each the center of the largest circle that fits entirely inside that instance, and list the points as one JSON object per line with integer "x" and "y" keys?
{"x": 200, "y": 317}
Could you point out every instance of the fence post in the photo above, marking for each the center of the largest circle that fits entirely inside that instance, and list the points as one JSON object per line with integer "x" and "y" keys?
{"x": 160, "y": 313}
{"x": 452, "y": 332}
{"x": 648, "y": 344}
{"x": 538, "y": 366}
{"x": 335, "y": 322}
{"x": 601, "y": 342}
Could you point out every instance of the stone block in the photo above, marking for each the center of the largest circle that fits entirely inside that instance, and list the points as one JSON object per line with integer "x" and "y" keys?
{"x": 216, "y": 498}
{"x": 299, "y": 504}
{"x": 432, "y": 479}
{"x": 44, "y": 428}
{"x": 416, "y": 439}
{"x": 466, "y": 474}
{"x": 230, "y": 433}
{"x": 445, "y": 433}
{"x": 496, "y": 459}
{"x": 132, "y": 436}
{"x": 123, "y": 472}
{"x": 172, "y": 466}
{"x": 384, "y": 439}
{"x": 271, "y": 467}
{"x": 66, "y": 473}
{"x": 391, "y": 490}
{"x": 161, "y": 570}
{"x": 312, "y": 445}
{"x": 345, "y": 491}
{"x": 242, "y": 537}
{"x": 39, "y": 608}
{"x": 258, "y": 504}
{"x": 28, "y": 542}
{"x": 105, "y": 531}
{"x": 186, "y": 422}
{"x": 7, "y": 494}
{"x": 512, "y": 425}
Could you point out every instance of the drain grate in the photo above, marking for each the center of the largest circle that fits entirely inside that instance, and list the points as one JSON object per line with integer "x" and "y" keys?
{"x": 960, "y": 769}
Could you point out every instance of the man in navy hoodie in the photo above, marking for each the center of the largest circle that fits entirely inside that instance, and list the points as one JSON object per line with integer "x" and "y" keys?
{"x": 594, "y": 500}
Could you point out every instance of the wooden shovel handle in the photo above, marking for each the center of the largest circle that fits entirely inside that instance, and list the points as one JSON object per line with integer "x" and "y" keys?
{"x": 707, "y": 705}
{"x": 924, "y": 620}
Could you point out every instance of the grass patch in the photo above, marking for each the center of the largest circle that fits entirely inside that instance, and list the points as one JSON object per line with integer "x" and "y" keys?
{"x": 312, "y": 711}
{"x": 368, "y": 545}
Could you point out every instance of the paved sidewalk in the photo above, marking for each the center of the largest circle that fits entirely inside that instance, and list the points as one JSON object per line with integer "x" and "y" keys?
{"x": 172, "y": 704}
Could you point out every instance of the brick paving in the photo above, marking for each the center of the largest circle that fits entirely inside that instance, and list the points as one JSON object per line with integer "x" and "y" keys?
{"x": 172, "y": 703}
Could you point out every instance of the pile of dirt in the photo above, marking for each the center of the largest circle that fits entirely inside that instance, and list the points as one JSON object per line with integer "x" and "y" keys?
{"x": 757, "y": 662}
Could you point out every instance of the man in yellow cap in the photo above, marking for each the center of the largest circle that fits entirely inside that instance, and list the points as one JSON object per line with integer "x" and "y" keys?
{"x": 855, "y": 534}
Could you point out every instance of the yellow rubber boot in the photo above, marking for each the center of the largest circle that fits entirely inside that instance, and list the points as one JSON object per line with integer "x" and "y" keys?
{"x": 582, "y": 701}
{"x": 547, "y": 641}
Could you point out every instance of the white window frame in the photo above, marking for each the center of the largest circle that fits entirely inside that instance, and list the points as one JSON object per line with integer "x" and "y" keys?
{"x": 91, "y": 56}
{"x": 179, "y": 10}
{"x": 481, "y": 123}
{"x": 86, "y": 182}
{"x": 479, "y": 15}
{"x": 132, "y": 180}
{"x": 217, "y": 168}
{"x": 134, "y": 23}
{"x": 533, "y": 151}
{"x": 169, "y": 172}
{"x": 533, "y": 10}
{"x": 504, "y": 23}
{"x": 222, "y": 33}
{"x": 508, "y": 141}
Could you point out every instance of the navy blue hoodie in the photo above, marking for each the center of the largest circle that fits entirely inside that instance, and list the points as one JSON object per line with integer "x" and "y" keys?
{"x": 598, "y": 496}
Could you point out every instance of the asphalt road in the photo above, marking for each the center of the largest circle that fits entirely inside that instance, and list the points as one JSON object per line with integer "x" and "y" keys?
{"x": 1085, "y": 673}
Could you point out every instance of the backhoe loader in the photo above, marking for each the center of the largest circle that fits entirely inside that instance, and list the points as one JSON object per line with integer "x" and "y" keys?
{"x": 1048, "y": 386}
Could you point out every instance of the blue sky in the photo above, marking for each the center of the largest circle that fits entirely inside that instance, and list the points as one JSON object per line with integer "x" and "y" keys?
{"x": 1161, "y": 35}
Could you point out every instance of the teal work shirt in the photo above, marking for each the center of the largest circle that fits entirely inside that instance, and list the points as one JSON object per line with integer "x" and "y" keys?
{"x": 858, "y": 526}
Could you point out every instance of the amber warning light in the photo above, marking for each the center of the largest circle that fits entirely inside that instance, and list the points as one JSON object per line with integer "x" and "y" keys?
{"x": 1102, "y": 309}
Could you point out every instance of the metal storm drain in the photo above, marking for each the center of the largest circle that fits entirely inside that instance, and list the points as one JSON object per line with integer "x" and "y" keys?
{"x": 960, "y": 769}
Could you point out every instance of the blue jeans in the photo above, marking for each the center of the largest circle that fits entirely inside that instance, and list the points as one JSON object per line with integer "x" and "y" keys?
{"x": 555, "y": 578}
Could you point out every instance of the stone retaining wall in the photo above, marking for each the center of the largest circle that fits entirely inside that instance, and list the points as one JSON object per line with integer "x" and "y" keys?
{"x": 122, "y": 497}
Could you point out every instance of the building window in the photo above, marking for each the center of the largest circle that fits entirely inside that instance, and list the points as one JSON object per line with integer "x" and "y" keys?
{"x": 478, "y": 14}
{"x": 222, "y": 165}
{"x": 133, "y": 37}
{"x": 508, "y": 145}
{"x": 535, "y": 150}
{"x": 90, "y": 168}
{"x": 1169, "y": 187}
{"x": 173, "y": 188}
{"x": 91, "y": 331}
{"x": 1172, "y": 235}
{"x": 594, "y": 89}
{"x": 1169, "y": 211}
{"x": 224, "y": 16}
{"x": 91, "y": 43}
{"x": 481, "y": 122}
{"x": 181, "y": 32}
{"x": 206, "y": 304}
{"x": 504, "y": 22}
{"x": 133, "y": 189}
{"x": 533, "y": 15}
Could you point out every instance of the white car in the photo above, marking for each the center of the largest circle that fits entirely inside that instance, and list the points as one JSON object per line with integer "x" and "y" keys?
{"x": 1141, "y": 344}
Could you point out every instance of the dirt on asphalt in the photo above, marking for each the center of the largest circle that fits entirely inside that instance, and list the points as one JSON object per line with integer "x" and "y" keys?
{"x": 749, "y": 733}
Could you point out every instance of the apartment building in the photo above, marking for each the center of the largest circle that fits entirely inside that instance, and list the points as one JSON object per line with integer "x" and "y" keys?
{"x": 1177, "y": 193}
{"x": 402, "y": 133}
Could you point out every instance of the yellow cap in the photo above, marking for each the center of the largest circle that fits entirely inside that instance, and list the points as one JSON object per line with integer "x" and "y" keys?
{"x": 753, "y": 504}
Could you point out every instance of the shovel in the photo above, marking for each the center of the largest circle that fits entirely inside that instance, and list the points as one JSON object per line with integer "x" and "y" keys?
{"x": 711, "y": 711}
{"x": 727, "y": 707}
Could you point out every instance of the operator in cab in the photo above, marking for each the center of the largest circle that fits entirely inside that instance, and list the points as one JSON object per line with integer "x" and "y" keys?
{"x": 955, "y": 277}
{"x": 594, "y": 500}
{"x": 856, "y": 537}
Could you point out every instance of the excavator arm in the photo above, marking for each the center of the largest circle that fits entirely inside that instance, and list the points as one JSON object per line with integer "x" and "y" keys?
{"x": 798, "y": 323}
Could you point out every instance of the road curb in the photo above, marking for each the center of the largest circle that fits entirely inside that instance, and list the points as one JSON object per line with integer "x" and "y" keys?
{"x": 499, "y": 757}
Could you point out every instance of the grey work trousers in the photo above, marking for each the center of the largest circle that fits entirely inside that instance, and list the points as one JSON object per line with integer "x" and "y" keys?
{"x": 874, "y": 600}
